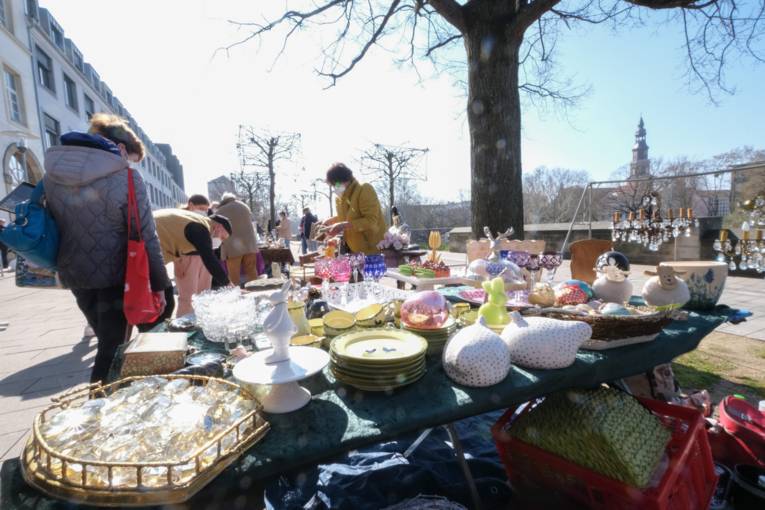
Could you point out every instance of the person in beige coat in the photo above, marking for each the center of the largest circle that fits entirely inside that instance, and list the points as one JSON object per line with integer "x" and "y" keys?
{"x": 240, "y": 250}
{"x": 284, "y": 229}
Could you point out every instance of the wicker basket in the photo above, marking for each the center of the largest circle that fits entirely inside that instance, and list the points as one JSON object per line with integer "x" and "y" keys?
{"x": 611, "y": 331}
{"x": 52, "y": 472}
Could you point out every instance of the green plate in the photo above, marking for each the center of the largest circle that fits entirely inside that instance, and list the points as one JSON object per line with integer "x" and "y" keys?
{"x": 383, "y": 346}
{"x": 388, "y": 387}
{"x": 378, "y": 380}
{"x": 374, "y": 367}
{"x": 378, "y": 371}
{"x": 447, "y": 327}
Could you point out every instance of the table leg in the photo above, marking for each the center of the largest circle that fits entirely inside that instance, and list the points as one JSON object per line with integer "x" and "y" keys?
{"x": 457, "y": 444}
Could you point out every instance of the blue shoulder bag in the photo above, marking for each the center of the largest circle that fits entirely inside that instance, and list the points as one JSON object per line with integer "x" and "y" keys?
{"x": 33, "y": 234}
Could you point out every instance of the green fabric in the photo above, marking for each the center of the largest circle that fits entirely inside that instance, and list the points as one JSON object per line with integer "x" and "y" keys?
{"x": 340, "y": 418}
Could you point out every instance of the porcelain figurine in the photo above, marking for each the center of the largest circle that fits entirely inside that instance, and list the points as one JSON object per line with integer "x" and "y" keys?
{"x": 612, "y": 284}
{"x": 542, "y": 295}
{"x": 665, "y": 290}
{"x": 494, "y": 310}
{"x": 539, "y": 342}
{"x": 494, "y": 242}
{"x": 476, "y": 356}
{"x": 278, "y": 325}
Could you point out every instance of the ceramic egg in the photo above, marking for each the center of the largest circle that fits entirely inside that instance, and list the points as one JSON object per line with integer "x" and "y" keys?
{"x": 541, "y": 342}
{"x": 476, "y": 356}
{"x": 425, "y": 310}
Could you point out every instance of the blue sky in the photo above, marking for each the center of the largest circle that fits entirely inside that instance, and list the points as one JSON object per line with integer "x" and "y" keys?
{"x": 158, "y": 59}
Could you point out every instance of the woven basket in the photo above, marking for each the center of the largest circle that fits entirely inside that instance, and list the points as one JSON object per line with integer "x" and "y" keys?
{"x": 612, "y": 328}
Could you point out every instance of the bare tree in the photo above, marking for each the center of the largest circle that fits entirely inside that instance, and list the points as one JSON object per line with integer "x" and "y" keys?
{"x": 551, "y": 195}
{"x": 391, "y": 167}
{"x": 509, "y": 47}
{"x": 249, "y": 186}
{"x": 317, "y": 184}
{"x": 262, "y": 149}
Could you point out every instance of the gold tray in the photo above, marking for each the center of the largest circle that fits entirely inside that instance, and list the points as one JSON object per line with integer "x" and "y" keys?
{"x": 37, "y": 458}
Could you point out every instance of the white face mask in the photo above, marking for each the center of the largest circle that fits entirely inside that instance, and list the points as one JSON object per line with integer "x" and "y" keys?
{"x": 216, "y": 242}
{"x": 340, "y": 189}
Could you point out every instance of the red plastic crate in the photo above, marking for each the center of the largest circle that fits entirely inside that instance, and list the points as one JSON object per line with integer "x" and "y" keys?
{"x": 688, "y": 481}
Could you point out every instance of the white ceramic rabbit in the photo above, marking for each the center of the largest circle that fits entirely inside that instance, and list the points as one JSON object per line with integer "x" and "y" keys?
{"x": 279, "y": 326}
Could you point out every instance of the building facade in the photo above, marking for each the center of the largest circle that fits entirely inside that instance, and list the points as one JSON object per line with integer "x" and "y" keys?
{"x": 60, "y": 91}
{"x": 219, "y": 186}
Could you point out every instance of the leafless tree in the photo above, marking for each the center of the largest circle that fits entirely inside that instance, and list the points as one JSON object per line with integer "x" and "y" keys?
{"x": 392, "y": 167}
{"x": 551, "y": 195}
{"x": 262, "y": 149}
{"x": 249, "y": 185}
{"x": 509, "y": 47}
{"x": 317, "y": 186}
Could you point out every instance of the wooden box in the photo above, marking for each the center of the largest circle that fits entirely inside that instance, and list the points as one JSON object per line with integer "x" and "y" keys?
{"x": 154, "y": 353}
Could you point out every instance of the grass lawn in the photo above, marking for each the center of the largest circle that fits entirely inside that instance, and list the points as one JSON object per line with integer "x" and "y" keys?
{"x": 724, "y": 364}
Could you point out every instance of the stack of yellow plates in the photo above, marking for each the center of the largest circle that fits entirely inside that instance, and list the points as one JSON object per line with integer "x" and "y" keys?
{"x": 378, "y": 359}
{"x": 436, "y": 338}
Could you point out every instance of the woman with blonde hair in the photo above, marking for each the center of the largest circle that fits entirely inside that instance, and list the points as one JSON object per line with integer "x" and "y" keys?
{"x": 86, "y": 188}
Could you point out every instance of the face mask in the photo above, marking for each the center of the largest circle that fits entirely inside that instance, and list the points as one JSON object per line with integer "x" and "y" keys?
{"x": 216, "y": 242}
{"x": 199, "y": 212}
{"x": 339, "y": 189}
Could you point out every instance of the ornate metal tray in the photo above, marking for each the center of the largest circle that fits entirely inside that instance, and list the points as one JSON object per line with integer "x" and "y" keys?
{"x": 155, "y": 483}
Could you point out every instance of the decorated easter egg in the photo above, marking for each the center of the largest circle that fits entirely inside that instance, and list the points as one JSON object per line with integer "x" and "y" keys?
{"x": 476, "y": 356}
{"x": 540, "y": 342}
{"x": 614, "y": 309}
{"x": 572, "y": 292}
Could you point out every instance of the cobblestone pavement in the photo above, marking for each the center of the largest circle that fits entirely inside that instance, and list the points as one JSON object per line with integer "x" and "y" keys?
{"x": 43, "y": 352}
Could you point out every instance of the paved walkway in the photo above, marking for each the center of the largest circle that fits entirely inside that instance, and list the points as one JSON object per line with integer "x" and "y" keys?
{"x": 43, "y": 353}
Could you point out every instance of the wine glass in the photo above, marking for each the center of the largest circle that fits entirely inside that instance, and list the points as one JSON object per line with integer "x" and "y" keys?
{"x": 341, "y": 273}
{"x": 521, "y": 259}
{"x": 532, "y": 266}
{"x": 323, "y": 269}
{"x": 374, "y": 269}
{"x": 551, "y": 260}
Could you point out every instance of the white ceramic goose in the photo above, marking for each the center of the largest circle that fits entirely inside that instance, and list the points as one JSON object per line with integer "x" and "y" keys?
{"x": 278, "y": 325}
{"x": 539, "y": 342}
{"x": 476, "y": 356}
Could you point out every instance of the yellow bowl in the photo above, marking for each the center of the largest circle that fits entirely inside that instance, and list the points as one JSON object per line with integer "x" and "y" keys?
{"x": 372, "y": 316}
{"x": 306, "y": 341}
{"x": 338, "y": 322}
{"x": 317, "y": 326}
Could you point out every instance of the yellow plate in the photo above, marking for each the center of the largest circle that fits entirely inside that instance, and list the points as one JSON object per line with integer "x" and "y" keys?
{"x": 373, "y": 375}
{"x": 384, "y": 387}
{"x": 384, "y": 346}
{"x": 317, "y": 326}
{"x": 364, "y": 368}
{"x": 445, "y": 327}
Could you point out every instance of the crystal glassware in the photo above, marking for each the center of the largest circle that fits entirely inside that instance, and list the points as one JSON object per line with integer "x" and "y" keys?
{"x": 323, "y": 269}
{"x": 551, "y": 261}
{"x": 533, "y": 266}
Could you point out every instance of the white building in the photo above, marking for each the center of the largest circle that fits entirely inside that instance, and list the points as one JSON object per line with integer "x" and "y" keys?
{"x": 67, "y": 91}
{"x": 20, "y": 142}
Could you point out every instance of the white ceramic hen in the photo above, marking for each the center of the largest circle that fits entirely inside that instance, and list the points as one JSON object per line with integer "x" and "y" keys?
{"x": 476, "y": 356}
{"x": 539, "y": 342}
{"x": 278, "y": 325}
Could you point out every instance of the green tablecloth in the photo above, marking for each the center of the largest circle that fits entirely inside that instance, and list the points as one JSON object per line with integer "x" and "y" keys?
{"x": 340, "y": 418}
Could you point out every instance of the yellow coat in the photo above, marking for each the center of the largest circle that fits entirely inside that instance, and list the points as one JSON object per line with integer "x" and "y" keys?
{"x": 360, "y": 206}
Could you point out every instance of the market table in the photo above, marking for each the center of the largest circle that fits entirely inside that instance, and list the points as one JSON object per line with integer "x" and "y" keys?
{"x": 280, "y": 255}
{"x": 340, "y": 419}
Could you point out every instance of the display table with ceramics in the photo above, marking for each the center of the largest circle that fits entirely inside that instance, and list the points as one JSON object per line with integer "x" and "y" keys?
{"x": 429, "y": 283}
{"x": 340, "y": 418}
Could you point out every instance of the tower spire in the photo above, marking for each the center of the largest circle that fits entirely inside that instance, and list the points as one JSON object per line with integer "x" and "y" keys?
{"x": 640, "y": 166}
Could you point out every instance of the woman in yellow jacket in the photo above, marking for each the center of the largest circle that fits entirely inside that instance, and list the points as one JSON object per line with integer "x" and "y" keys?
{"x": 359, "y": 215}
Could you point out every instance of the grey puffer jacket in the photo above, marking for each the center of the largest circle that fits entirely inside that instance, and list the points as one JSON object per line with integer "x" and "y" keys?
{"x": 86, "y": 190}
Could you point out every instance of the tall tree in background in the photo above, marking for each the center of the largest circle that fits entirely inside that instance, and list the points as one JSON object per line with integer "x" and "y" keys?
{"x": 391, "y": 167}
{"x": 249, "y": 186}
{"x": 262, "y": 149}
{"x": 509, "y": 47}
{"x": 551, "y": 195}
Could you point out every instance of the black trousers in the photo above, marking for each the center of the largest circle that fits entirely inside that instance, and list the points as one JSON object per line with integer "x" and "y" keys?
{"x": 103, "y": 308}
{"x": 3, "y": 255}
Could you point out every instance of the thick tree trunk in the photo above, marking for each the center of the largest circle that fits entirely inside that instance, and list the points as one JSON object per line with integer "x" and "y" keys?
{"x": 494, "y": 117}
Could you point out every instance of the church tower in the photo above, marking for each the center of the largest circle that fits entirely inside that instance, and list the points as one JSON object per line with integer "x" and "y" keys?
{"x": 640, "y": 167}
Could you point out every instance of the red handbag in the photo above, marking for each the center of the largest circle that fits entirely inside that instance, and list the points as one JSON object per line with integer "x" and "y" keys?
{"x": 140, "y": 304}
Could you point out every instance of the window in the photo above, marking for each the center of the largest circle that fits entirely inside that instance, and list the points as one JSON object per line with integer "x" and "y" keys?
{"x": 5, "y": 15}
{"x": 45, "y": 70}
{"x": 13, "y": 95}
{"x": 90, "y": 107}
{"x": 52, "y": 130}
{"x": 78, "y": 62}
{"x": 16, "y": 172}
{"x": 58, "y": 36}
{"x": 70, "y": 89}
